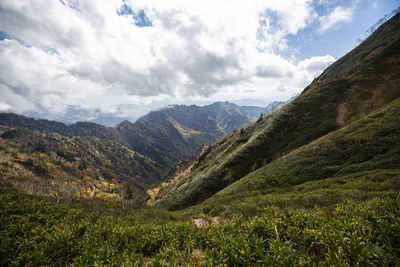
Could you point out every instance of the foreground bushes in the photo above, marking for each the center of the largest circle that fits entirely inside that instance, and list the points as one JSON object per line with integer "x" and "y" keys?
{"x": 42, "y": 232}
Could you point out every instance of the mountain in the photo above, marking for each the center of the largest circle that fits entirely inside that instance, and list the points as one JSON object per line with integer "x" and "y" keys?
{"x": 315, "y": 183}
{"x": 90, "y": 156}
{"x": 173, "y": 134}
{"x": 343, "y": 124}
{"x": 276, "y": 105}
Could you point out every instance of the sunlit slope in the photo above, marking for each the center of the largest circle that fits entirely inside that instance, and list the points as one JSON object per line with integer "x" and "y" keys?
{"x": 370, "y": 145}
{"x": 50, "y": 164}
{"x": 363, "y": 81}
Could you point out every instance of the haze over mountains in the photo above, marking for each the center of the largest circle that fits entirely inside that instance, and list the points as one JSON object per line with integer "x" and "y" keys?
{"x": 76, "y": 113}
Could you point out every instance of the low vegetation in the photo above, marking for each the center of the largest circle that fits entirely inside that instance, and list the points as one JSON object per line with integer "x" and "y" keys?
{"x": 36, "y": 231}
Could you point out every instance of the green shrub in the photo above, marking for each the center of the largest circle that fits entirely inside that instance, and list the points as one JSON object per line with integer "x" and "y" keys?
{"x": 38, "y": 165}
{"x": 37, "y": 231}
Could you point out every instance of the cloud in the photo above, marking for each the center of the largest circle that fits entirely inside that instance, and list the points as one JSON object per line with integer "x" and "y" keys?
{"x": 314, "y": 66}
{"x": 4, "y": 106}
{"x": 337, "y": 16}
{"x": 275, "y": 67}
{"x": 99, "y": 54}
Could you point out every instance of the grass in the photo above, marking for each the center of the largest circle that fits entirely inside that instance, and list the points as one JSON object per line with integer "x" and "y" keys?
{"x": 372, "y": 143}
{"x": 323, "y": 193}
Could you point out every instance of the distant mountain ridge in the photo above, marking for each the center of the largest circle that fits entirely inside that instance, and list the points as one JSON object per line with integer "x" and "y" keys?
{"x": 155, "y": 144}
{"x": 173, "y": 134}
{"x": 276, "y": 105}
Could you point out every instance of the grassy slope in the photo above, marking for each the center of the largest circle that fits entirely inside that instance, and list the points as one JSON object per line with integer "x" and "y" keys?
{"x": 359, "y": 83}
{"x": 37, "y": 232}
{"x": 360, "y": 161}
{"x": 370, "y": 144}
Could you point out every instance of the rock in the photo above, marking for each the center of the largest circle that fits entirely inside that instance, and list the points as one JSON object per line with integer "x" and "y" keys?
{"x": 201, "y": 223}
{"x": 204, "y": 223}
{"x": 216, "y": 221}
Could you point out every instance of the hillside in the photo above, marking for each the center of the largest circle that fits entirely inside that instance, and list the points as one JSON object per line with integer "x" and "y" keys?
{"x": 365, "y": 80}
{"x": 87, "y": 160}
{"x": 175, "y": 133}
{"x": 49, "y": 164}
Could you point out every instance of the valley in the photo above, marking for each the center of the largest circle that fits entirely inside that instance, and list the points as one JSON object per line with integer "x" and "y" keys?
{"x": 311, "y": 181}
{"x": 90, "y": 161}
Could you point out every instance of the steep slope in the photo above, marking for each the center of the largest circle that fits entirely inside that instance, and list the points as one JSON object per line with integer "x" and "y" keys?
{"x": 174, "y": 134}
{"x": 369, "y": 145}
{"x": 364, "y": 80}
{"x": 167, "y": 136}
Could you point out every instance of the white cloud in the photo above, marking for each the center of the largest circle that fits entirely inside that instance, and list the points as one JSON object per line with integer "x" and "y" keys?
{"x": 4, "y": 106}
{"x": 84, "y": 53}
{"x": 315, "y": 64}
{"x": 312, "y": 67}
{"x": 337, "y": 16}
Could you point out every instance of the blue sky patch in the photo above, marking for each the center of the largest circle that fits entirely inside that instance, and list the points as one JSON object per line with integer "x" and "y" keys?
{"x": 4, "y": 36}
{"x": 125, "y": 10}
{"x": 47, "y": 49}
{"x": 140, "y": 18}
{"x": 69, "y": 5}
{"x": 308, "y": 42}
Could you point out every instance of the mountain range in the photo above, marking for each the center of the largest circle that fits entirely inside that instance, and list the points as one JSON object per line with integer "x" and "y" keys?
{"x": 344, "y": 123}
{"x": 313, "y": 182}
{"x": 139, "y": 154}
{"x": 276, "y": 105}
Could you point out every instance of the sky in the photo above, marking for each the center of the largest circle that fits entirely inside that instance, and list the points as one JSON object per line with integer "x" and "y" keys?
{"x": 127, "y": 57}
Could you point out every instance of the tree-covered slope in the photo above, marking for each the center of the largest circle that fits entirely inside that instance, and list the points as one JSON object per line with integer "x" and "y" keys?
{"x": 167, "y": 136}
{"x": 361, "y": 82}
{"x": 47, "y": 163}
{"x": 175, "y": 133}
{"x": 76, "y": 159}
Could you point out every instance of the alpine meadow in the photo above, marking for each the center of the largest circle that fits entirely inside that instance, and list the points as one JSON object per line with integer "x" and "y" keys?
{"x": 312, "y": 179}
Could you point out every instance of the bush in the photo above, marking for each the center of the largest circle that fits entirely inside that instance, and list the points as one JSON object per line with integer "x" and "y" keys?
{"x": 36, "y": 231}
{"x": 39, "y": 165}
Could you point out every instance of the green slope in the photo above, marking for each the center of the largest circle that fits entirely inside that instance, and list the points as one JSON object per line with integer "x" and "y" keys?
{"x": 360, "y": 161}
{"x": 370, "y": 144}
{"x": 40, "y": 232}
{"x": 364, "y": 80}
